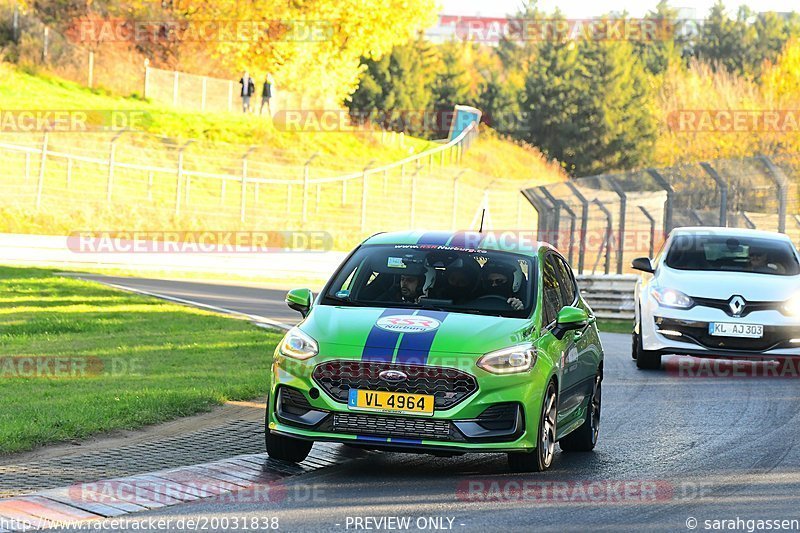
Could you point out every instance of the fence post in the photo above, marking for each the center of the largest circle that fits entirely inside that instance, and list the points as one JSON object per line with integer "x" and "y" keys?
{"x": 455, "y": 198}
{"x": 146, "y": 88}
{"x": 750, "y": 223}
{"x": 175, "y": 89}
{"x": 45, "y": 44}
{"x": 364, "y": 195}
{"x": 652, "y": 222}
{"x": 698, "y": 220}
{"x": 780, "y": 180}
{"x": 584, "y": 224}
{"x": 112, "y": 150}
{"x": 623, "y": 205}
{"x": 40, "y": 183}
{"x": 572, "y": 219}
{"x": 670, "y": 194}
{"x": 555, "y": 229}
{"x": 414, "y": 193}
{"x": 15, "y": 25}
{"x": 91, "y": 69}
{"x": 306, "y": 171}
{"x": 608, "y": 236}
{"x": 243, "y": 207}
{"x": 722, "y": 187}
{"x": 179, "y": 184}
{"x": 69, "y": 171}
{"x": 541, "y": 211}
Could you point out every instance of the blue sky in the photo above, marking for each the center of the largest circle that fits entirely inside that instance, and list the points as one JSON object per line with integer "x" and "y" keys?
{"x": 593, "y": 8}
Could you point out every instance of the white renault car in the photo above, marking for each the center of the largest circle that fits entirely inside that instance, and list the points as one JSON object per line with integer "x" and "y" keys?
{"x": 720, "y": 293}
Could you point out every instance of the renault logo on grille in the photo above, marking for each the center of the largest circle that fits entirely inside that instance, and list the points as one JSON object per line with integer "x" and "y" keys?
{"x": 736, "y": 304}
{"x": 393, "y": 375}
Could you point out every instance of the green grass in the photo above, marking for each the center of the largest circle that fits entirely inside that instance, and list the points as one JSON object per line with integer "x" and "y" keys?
{"x": 611, "y": 325}
{"x": 149, "y": 361}
{"x": 21, "y": 90}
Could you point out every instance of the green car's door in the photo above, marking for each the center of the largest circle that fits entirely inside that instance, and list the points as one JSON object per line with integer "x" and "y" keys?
{"x": 566, "y": 350}
{"x": 587, "y": 341}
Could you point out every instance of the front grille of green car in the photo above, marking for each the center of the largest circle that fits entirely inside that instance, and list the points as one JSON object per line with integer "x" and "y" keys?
{"x": 391, "y": 426}
{"x": 447, "y": 385}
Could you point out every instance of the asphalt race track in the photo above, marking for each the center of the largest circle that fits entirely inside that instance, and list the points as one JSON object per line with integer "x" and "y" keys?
{"x": 675, "y": 451}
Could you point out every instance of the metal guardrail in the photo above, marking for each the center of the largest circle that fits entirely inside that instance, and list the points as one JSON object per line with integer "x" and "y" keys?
{"x": 609, "y": 296}
{"x": 451, "y": 151}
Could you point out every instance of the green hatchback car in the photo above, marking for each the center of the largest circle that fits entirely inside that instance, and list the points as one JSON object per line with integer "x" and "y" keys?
{"x": 441, "y": 343}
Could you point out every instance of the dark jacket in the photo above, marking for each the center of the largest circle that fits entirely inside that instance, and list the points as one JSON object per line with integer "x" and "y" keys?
{"x": 250, "y": 90}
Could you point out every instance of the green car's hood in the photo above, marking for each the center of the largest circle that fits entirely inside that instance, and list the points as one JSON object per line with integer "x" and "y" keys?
{"x": 354, "y": 331}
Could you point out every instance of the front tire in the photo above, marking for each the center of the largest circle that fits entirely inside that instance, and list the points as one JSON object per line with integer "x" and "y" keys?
{"x": 645, "y": 359}
{"x": 541, "y": 458}
{"x": 286, "y": 448}
{"x": 584, "y": 438}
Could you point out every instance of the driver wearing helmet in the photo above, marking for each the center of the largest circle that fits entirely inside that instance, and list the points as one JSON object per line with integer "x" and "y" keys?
{"x": 500, "y": 279}
{"x": 411, "y": 286}
{"x": 460, "y": 281}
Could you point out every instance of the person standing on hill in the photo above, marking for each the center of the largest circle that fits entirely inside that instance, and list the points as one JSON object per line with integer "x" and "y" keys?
{"x": 266, "y": 93}
{"x": 248, "y": 89}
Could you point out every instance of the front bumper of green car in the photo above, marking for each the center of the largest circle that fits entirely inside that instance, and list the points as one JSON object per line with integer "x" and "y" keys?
{"x": 476, "y": 411}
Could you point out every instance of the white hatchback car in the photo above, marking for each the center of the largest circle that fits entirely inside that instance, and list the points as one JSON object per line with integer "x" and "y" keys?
{"x": 720, "y": 293}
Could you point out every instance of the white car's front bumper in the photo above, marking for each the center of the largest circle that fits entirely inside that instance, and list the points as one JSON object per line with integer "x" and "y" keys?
{"x": 781, "y": 333}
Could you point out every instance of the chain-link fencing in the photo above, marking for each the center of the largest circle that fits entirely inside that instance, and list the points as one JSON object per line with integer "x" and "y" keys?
{"x": 603, "y": 222}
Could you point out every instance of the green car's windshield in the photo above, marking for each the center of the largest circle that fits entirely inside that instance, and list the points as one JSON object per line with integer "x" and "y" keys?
{"x": 440, "y": 277}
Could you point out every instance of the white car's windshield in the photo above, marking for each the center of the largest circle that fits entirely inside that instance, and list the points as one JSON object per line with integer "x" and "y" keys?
{"x": 729, "y": 253}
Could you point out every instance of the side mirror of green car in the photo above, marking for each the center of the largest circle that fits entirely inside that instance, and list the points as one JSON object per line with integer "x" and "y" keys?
{"x": 300, "y": 300}
{"x": 569, "y": 319}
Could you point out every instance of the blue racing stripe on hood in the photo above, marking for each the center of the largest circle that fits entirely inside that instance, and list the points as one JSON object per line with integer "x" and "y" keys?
{"x": 415, "y": 347}
{"x": 380, "y": 343}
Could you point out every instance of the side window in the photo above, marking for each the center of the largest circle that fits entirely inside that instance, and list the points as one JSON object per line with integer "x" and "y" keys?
{"x": 552, "y": 298}
{"x": 567, "y": 283}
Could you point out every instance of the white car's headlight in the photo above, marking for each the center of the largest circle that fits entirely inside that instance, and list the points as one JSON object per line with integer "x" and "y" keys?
{"x": 791, "y": 306}
{"x": 298, "y": 345}
{"x": 512, "y": 360}
{"x": 671, "y": 298}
